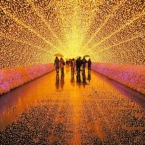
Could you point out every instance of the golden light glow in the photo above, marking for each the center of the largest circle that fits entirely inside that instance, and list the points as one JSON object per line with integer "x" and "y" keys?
{"x": 105, "y": 21}
{"x": 100, "y": 28}
{"x": 46, "y": 23}
{"x": 26, "y": 26}
{"x": 122, "y": 27}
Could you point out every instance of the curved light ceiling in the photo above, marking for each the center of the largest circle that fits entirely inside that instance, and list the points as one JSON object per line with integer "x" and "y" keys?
{"x": 32, "y": 31}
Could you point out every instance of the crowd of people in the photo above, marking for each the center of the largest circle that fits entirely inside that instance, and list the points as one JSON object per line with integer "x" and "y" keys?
{"x": 77, "y": 64}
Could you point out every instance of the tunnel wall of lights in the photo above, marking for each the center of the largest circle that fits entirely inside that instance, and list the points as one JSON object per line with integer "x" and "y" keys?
{"x": 128, "y": 75}
{"x": 110, "y": 31}
{"x": 11, "y": 78}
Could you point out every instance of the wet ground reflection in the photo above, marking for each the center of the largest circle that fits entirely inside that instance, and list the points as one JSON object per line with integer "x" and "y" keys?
{"x": 126, "y": 91}
{"x": 60, "y": 110}
{"x": 59, "y": 81}
{"x": 81, "y": 78}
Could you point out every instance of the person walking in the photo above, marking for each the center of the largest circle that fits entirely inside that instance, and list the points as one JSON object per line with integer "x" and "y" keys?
{"x": 73, "y": 64}
{"x": 84, "y": 63}
{"x": 56, "y": 63}
{"x": 79, "y": 63}
{"x": 61, "y": 64}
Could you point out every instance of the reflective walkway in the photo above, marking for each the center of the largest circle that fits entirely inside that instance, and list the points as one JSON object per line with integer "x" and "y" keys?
{"x": 73, "y": 109}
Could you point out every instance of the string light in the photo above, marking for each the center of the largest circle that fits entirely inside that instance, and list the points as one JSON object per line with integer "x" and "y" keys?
{"x": 102, "y": 29}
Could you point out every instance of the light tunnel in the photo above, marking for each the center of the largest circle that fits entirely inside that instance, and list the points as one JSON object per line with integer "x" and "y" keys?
{"x": 111, "y": 32}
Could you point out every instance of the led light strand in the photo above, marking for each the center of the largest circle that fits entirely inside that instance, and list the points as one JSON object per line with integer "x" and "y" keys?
{"x": 27, "y": 27}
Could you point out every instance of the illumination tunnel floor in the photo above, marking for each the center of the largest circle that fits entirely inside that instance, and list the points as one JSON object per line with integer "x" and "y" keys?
{"x": 59, "y": 110}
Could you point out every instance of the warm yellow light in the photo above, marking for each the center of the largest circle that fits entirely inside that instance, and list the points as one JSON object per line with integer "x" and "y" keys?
{"x": 34, "y": 30}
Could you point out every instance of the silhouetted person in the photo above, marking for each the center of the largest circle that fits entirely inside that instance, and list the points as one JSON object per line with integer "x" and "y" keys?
{"x": 89, "y": 64}
{"x": 84, "y": 61}
{"x": 79, "y": 63}
{"x": 56, "y": 63}
{"x": 61, "y": 64}
{"x": 73, "y": 64}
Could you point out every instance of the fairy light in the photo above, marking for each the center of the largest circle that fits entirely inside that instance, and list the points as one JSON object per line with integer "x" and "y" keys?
{"x": 105, "y": 21}
{"x": 24, "y": 42}
{"x": 46, "y": 23}
{"x": 29, "y": 28}
{"x": 102, "y": 29}
{"x": 122, "y": 27}
{"x": 131, "y": 39}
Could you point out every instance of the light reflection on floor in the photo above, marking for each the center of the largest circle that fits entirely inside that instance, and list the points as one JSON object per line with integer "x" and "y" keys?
{"x": 66, "y": 110}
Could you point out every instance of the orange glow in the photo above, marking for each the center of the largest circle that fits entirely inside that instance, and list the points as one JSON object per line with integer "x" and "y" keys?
{"x": 92, "y": 110}
{"x": 33, "y": 31}
{"x": 11, "y": 78}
